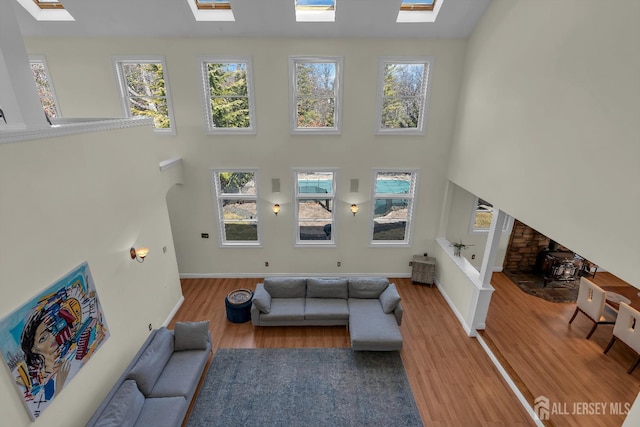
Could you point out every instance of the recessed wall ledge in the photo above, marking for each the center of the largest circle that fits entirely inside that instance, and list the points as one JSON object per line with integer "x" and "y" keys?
{"x": 70, "y": 126}
{"x": 169, "y": 163}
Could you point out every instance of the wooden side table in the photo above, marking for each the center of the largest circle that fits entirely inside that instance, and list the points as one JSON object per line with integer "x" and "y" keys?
{"x": 422, "y": 269}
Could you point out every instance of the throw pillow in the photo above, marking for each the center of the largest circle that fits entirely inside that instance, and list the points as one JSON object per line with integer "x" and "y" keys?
{"x": 191, "y": 335}
{"x": 262, "y": 299}
{"x": 389, "y": 299}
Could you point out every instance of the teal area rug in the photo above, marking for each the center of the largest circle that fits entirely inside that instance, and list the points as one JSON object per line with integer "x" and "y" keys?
{"x": 305, "y": 387}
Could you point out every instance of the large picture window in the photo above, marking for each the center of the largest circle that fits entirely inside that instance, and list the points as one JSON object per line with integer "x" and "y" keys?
{"x": 236, "y": 194}
{"x": 315, "y": 215}
{"x": 228, "y": 95}
{"x": 315, "y": 94}
{"x": 144, "y": 90}
{"x": 393, "y": 196}
{"x": 402, "y": 95}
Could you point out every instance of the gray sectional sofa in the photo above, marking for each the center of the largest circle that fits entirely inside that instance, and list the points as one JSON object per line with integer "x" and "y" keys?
{"x": 370, "y": 306}
{"x": 160, "y": 382}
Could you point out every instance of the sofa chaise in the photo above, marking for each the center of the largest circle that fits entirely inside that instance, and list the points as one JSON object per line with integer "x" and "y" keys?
{"x": 157, "y": 387}
{"x": 369, "y": 306}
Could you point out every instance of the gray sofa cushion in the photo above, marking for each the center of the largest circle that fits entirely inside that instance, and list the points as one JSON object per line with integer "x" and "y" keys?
{"x": 183, "y": 370}
{"x": 286, "y": 287}
{"x": 326, "y": 308}
{"x": 327, "y": 287}
{"x": 285, "y": 309}
{"x": 367, "y": 287}
{"x": 167, "y": 411}
{"x": 390, "y": 298}
{"x": 124, "y": 407}
{"x": 370, "y": 328}
{"x": 149, "y": 366}
{"x": 262, "y": 299}
{"x": 191, "y": 335}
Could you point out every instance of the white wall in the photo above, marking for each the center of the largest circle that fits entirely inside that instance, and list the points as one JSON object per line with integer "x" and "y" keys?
{"x": 548, "y": 123}
{"x": 87, "y": 197}
{"x": 273, "y": 151}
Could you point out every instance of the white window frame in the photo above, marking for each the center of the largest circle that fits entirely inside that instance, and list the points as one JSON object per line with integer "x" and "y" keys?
{"x": 506, "y": 228}
{"x": 293, "y": 91}
{"x": 122, "y": 86}
{"x": 40, "y": 59}
{"x": 411, "y": 196}
{"x": 314, "y": 196}
{"x": 219, "y": 198}
{"x": 427, "y": 61}
{"x": 206, "y": 98}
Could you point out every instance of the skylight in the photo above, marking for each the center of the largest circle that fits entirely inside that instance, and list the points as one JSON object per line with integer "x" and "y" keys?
{"x": 417, "y": 5}
{"x": 46, "y": 10}
{"x": 315, "y": 10}
{"x": 211, "y": 10}
{"x": 49, "y": 4}
{"x": 213, "y": 4}
{"x": 412, "y": 11}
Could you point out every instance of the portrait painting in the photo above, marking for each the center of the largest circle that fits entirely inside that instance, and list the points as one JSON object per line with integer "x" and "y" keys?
{"x": 46, "y": 341}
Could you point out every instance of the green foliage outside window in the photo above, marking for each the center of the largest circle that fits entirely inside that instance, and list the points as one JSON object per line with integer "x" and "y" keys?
{"x": 315, "y": 85}
{"x": 146, "y": 92}
{"x": 228, "y": 90}
{"x": 403, "y": 94}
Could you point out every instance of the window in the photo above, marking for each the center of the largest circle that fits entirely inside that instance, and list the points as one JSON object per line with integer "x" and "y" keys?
{"x": 144, "y": 90}
{"x": 482, "y": 216}
{"x": 315, "y": 198}
{"x": 315, "y": 10}
{"x": 211, "y": 10}
{"x": 402, "y": 95}
{"x": 228, "y": 95}
{"x": 315, "y": 94}
{"x": 393, "y": 196}
{"x": 46, "y": 10}
{"x": 49, "y": 4}
{"x": 236, "y": 194}
{"x": 44, "y": 86}
{"x": 213, "y": 4}
{"x": 417, "y": 5}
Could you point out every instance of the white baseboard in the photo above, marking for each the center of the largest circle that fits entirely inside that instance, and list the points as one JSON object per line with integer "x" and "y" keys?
{"x": 467, "y": 329}
{"x": 510, "y": 382}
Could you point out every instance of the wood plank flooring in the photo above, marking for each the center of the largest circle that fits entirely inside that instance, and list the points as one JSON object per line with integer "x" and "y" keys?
{"x": 551, "y": 358}
{"x": 453, "y": 380}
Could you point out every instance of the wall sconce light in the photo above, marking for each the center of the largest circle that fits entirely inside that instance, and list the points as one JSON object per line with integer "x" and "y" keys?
{"x": 276, "y": 209}
{"x": 139, "y": 254}
{"x": 354, "y": 209}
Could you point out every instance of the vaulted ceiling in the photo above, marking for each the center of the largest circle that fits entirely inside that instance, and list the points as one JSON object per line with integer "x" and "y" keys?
{"x": 253, "y": 18}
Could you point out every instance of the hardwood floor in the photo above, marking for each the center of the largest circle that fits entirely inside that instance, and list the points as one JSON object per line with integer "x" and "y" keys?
{"x": 548, "y": 357}
{"x": 453, "y": 380}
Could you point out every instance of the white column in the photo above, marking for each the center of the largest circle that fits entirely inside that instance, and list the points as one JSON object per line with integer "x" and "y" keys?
{"x": 19, "y": 98}
{"x": 491, "y": 249}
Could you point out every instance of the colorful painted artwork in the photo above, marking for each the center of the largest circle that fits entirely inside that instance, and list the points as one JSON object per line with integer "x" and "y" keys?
{"x": 45, "y": 342}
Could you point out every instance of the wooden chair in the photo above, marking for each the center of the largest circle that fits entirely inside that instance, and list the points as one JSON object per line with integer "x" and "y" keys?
{"x": 591, "y": 302}
{"x": 627, "y": 330}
